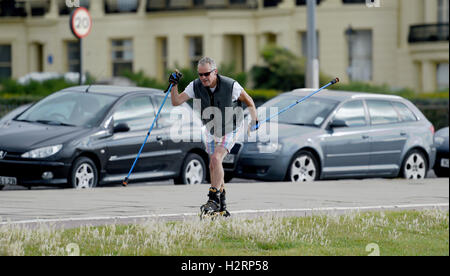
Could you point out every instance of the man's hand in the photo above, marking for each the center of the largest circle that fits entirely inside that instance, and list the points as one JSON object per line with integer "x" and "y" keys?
{"x": 174, "y": 78}
{"x": 252, "y": 124}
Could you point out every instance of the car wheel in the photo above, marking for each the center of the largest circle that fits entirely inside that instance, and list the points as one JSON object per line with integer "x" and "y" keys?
{"x": 1, "y": 187}
{"x": 84, "y": 174}
{"x": 193, "y": 170}
{"x": 415, "y": 165}
{"x": 303, "y": 168}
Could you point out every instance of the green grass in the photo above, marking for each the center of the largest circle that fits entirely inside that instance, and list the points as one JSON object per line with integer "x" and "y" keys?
{"x": 395, "y": 233}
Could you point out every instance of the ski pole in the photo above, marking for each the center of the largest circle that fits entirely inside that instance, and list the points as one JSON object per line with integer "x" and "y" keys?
{"x": 125, "y": 181}
{"x": 292, "y": 105}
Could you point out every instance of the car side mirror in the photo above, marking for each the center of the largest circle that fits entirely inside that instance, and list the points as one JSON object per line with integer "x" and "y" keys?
{"x": 338, "y": 123}
{"x": 122, "y": 127}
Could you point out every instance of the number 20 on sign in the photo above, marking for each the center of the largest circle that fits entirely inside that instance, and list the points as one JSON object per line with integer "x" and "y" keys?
{"x": 81, "y": 22}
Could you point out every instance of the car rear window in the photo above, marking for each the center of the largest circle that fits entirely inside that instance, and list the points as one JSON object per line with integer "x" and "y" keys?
{"x": 406, "y": 115}
{"x": 382, "y": 112}
{"x": 352, "y": 113}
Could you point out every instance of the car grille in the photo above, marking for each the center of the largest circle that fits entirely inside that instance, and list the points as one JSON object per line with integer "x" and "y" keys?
{"x": 12, "y": 155}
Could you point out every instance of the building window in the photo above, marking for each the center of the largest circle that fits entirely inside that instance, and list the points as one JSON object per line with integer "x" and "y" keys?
{"x": 122, "y": 56}
{"x": 235, "y": 52}
{"x": 271, "y": 3}
{"x": 73, "y": 56}
{"x": 442, "y": 76}
{"x": 269, "y": 38}
{"x": 39, "y": 8}
{"x": 161, "y": 55}
{"x": 5, "y": 61}
{"x": 195, "y": 51}
{"x": 11, "y": 8}
{"x": 443, "y": 11}
{"x": 360, "y": 51}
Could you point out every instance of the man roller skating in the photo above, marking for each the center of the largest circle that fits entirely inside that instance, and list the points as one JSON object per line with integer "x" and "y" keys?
{"x": 219, "y": 96}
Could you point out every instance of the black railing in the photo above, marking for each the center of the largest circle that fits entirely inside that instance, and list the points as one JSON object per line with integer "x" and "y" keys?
{"x": 64, "y": 10}
{"x": 354, "y": 1}
{"x": 121, "y": 6}
{"x": 304, "y": 2}
{"x": 164, "y": 5}
{"x": 428, "y": 33}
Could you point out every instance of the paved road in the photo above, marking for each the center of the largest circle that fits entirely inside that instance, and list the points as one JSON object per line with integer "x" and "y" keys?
{"x": 430, "y": 174}
{"x": 71, "y": 208}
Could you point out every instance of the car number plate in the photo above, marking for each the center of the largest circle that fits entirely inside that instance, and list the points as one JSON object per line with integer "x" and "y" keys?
{"x": 444, "y": 162}
{"x": 229, "y": 159}
{"x": 8, "y": 180}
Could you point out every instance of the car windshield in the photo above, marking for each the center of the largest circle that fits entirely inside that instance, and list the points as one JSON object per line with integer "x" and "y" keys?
{"x": 311, "y": 112}
{"x": 69, "y": 108}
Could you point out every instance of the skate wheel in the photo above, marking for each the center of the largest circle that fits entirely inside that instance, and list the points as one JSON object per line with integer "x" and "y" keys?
{"x": 225, "y": 214}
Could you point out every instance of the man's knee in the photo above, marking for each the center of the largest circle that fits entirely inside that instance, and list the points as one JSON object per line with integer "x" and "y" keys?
{"x": 215, "y": 161}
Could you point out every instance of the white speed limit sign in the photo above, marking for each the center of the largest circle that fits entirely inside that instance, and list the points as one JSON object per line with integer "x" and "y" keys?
{"x": 81, "y": 22}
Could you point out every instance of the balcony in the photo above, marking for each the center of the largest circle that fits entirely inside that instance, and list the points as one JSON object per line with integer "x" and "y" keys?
{"x": 24, "y": 8}
{"x": 159, "y": 5}
{"x": 428, "y": 33}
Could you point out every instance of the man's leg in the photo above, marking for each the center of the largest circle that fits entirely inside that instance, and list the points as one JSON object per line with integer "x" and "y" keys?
{"x": 216, "y": 171}
{"x": 216, "y": 167}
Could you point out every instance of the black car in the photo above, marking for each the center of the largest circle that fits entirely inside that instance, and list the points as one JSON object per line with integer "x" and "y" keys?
{"x": 88, "y": 135}
{"x": 441, "y": 166}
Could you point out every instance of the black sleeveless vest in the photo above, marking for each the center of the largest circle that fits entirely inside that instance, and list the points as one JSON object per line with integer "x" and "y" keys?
{"x": 219, "y": 105}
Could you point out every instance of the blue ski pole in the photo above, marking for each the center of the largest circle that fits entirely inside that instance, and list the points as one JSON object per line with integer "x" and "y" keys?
{"x": 255, "y": 127}
{"x": 125, "y": 181}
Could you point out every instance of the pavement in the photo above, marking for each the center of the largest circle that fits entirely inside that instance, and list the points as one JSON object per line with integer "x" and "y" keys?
{"x": 138, "y": 203}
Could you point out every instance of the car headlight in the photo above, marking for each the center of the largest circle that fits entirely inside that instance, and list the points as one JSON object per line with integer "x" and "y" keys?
{"x": 43, "y": 152}
{"x": 268, "y": 147}
{"x": 439, "y": 140}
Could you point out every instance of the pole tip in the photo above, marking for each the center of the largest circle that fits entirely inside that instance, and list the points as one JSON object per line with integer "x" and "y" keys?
{"x": 335, "y": 81}
{"x": 125, "y": 182}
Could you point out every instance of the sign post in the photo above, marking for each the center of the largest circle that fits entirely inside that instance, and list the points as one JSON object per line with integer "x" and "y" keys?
{"x": 80, "y": 25}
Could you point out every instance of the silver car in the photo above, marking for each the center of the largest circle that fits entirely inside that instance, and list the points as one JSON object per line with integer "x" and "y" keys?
{"x": 337, "y": 134}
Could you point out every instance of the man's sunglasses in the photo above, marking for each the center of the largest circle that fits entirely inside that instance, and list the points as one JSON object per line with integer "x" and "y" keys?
{"x": 205, "y": 74}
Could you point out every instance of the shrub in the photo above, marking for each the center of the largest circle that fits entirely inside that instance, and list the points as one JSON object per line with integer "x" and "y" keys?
{"x": 35, "y": 88}
{"x": 283, "y": 70}
{"x": 142, "y": 80}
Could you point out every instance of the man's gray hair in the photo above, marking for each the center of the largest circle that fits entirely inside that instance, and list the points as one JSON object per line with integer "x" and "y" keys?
{"x": 208, "y": 60}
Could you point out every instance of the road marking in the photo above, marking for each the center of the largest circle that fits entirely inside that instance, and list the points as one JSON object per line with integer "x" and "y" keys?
{"x": 148, "y": 216}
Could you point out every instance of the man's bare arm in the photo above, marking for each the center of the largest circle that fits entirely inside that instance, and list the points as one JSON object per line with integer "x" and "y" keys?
{"x": 245, "y": 98}
{"x": 178, "y": 99}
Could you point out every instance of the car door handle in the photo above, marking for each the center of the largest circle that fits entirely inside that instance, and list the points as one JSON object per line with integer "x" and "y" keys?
{"x": 365, "y": 137}
{"x": 402, "y": 133}
{"x": 159, "y": 139}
